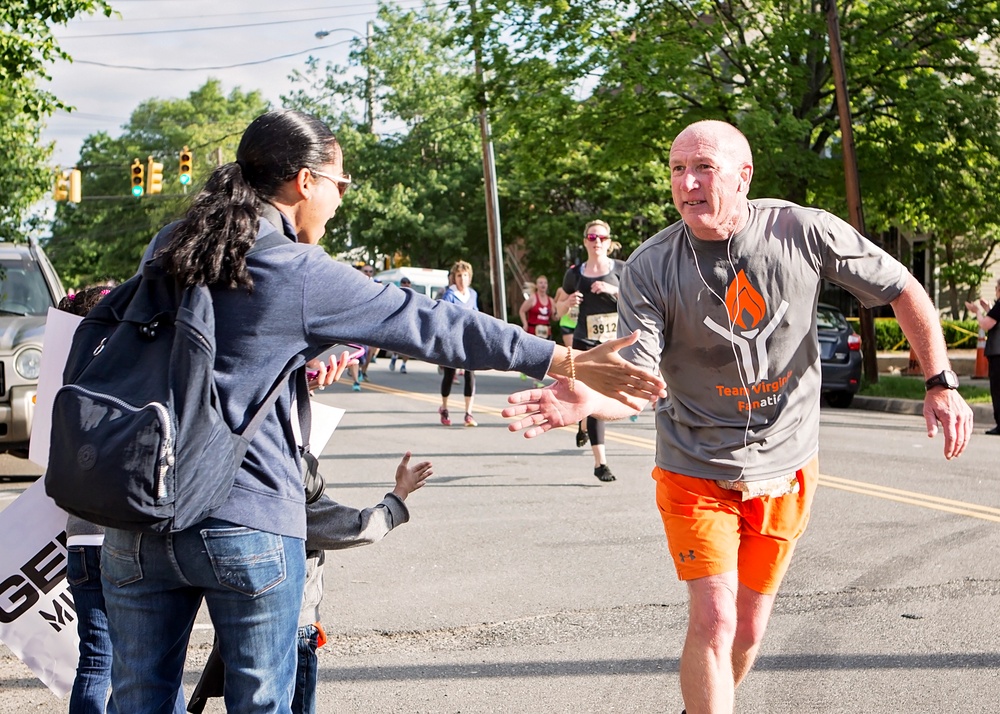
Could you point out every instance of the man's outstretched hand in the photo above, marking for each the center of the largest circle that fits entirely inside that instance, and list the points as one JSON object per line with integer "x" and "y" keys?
{"x": 538, "y": 410}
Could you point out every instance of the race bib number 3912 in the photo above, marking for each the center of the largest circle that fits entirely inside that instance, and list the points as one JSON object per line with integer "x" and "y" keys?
{"x": 602, "y": 327}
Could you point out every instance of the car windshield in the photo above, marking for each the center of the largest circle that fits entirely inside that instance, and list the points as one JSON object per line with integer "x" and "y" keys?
{"x": 23, "y": 290}
{"x": 827, "y": 319}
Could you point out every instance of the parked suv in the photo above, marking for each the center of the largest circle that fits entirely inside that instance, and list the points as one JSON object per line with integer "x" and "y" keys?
{"x": 839, "y": 354}
{"x": 29, "y": 286}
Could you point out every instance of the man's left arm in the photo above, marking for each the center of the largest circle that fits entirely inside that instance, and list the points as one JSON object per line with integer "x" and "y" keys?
{"x": 920, "y": 323}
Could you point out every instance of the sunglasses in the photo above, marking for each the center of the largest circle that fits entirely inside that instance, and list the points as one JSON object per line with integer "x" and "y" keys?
{"x": 342, "y": 182}
{"x": 592, "y": 237}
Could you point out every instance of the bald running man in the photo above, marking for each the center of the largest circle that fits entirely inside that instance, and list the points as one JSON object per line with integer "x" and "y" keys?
{"x": 725, "y": 304}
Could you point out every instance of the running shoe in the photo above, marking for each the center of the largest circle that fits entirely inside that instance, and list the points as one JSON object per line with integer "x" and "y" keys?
{"x": 603, "y": 473}
{"x": 469, "y": 421}
{"x": 445, "y": 420}
{"x": 356, "y": 387}
{"x": 392, "y": 364}
{"x": 402, "y": 368}
{"x": 539, "y": 385}
{"x": 581, "y": 438}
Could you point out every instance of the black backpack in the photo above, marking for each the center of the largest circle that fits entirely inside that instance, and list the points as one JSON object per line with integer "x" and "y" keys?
{"x": 139, "y": 441}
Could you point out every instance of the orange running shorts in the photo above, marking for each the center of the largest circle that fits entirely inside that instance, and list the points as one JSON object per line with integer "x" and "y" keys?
{"x": 712, "y": 530}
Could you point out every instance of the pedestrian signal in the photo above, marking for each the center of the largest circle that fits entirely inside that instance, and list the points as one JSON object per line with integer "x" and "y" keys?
{"x": 186, "y": 166}
{"x": 60, "y": 191}
{"x": 154, "y": 176}
{"x": 138, "y": 179}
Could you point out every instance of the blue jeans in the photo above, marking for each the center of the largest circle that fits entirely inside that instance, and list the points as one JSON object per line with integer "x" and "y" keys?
{"x": 304, "y": 701}
{"x": 93, "y": 671}
{"x": 153, "y": 586}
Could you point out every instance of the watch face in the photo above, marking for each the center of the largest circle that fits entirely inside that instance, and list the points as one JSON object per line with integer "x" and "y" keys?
{"x": 946, "y": 378}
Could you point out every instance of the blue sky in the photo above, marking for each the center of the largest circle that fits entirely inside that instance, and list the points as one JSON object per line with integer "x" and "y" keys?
{"x": 162, "y": 33}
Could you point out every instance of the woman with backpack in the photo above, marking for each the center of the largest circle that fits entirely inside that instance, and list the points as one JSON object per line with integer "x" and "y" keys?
{"x": 276, "y": 308}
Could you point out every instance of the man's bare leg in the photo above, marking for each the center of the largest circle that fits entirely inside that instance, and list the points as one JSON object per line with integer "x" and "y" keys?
{"x": 753, "y": 610}
{"x": 726, "y": 626}
{"x": 707, "y": 678}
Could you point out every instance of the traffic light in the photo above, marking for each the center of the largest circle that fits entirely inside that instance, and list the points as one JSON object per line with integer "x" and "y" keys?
{"x": 60, "y": 191}
{"x": 138, "y": 179}
{"x": 186, "y": 166}
{"x": 154, "y": 176}
{"x": 75, "y": 189}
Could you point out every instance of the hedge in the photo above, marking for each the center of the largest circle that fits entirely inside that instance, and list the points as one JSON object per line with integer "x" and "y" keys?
{"x": 959, "y": 334}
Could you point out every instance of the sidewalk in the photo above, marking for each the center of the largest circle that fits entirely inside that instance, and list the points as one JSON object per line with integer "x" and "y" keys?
{"x": 963, "y": 362}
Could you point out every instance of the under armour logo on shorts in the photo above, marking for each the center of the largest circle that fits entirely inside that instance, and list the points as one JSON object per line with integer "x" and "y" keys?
{"x": 685, "y": 558}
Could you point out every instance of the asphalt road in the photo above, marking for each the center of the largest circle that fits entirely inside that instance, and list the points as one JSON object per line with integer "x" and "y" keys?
{"x": 522, "y": 584}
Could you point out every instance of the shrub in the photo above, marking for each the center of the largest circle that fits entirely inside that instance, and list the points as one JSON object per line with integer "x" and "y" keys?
{"x": 958, "y": 334}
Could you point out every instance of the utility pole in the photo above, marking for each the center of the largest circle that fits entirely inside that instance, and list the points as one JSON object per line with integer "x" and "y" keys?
{"x": 489, "y": 180}
{"x": 852, "y": 184}
{"x": 369, "y": 89}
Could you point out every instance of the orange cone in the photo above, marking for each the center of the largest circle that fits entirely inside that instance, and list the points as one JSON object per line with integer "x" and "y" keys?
{"x": 982, "y": 365}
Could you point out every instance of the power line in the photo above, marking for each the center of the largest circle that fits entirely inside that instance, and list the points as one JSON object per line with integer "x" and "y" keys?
{"x": 220, "y": 14}
{"x": 222, "y": 27}
{"x": 202, "y": 29}
{"x": 202, "y": 69}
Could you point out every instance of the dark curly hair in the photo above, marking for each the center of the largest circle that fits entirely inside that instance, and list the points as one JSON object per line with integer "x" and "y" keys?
{"x": 84, "y": 300}
{"x": 209, "y": 245}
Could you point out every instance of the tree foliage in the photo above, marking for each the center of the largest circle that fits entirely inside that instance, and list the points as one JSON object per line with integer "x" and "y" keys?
{"x": 104, "y": 237}
{"x": 27, "y": 47}
{"x": 585, "y": 99}
{"x": 419, "y": 182}
{"x": 609, "y": 83}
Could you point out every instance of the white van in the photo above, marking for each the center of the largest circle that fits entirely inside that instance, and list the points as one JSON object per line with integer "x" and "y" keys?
{"x": 424, "y": 280}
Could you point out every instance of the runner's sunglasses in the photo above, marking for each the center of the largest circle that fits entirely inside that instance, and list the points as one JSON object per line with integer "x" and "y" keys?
{"x": 592, "y": 237}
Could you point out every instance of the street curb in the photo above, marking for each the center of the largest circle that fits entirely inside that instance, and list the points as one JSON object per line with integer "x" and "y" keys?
{"x": 982, "y": 413}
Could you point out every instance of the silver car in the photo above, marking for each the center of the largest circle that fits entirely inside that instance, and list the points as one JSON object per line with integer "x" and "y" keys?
{"x": 29, "y": 286}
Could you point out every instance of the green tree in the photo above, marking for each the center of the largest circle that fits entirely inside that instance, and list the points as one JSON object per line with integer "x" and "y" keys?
{"x": 104, "y": 237}
{"x": 418, "y": 190}
{"x": 27, "y": 47}
{"x": 612, "y": 82}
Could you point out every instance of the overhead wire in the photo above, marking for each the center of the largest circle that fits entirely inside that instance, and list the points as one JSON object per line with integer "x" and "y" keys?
{"x": 220, "y": 14}
{"x": 201, "y": 69}
{"x": 133, "y": 33}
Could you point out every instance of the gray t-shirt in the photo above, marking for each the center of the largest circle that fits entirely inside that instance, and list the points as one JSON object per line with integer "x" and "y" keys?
{"x": 731, "y": 326}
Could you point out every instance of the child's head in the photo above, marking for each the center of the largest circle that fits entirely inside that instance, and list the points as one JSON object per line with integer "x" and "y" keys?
{"x": 83, "y": 302}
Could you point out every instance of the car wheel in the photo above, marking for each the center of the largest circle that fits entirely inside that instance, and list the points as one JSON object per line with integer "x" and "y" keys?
{"x": 839, "y": 400}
